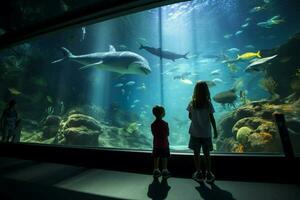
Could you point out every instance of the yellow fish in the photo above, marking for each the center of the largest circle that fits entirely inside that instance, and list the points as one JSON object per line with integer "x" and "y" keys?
{"x": 249, "y": 55}
{"x": 14, "y": 91}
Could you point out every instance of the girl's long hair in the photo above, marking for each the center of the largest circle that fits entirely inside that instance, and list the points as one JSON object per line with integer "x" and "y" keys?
{"x": 201, "y": 96}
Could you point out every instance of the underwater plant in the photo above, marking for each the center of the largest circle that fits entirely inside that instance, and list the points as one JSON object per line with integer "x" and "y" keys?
{"x": 243, "y": 97}
{"x": 49, "y": 110}
{"x": 269, "y": 85}
{"x": 298, "y": 73}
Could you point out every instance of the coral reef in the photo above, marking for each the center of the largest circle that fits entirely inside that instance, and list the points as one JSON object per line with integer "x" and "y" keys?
{"x": 51, "y": 126}
{"x": 281, "y": 72}
{"x": 269, "y": 85}
{"x": 243, "y": 134}
{"x": 251, "y": 128}
{"x": 79, "y": 129}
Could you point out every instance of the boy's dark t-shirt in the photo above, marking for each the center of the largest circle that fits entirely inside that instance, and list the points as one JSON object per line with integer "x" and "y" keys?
{"x": 160, "y": 132}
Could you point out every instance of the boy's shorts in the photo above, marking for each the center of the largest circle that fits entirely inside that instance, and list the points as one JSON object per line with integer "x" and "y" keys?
{"x": 196, "y": 143}
{"x": 161, "y": 152}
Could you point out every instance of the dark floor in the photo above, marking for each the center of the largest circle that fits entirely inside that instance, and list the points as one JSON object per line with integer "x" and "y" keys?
{"x": 21, "y": 179}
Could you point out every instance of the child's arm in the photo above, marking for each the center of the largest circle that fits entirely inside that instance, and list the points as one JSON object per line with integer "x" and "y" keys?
{"x": 152, "y": 130}
{"x": 167, "y": 130}
{"x": 213, "y": 123}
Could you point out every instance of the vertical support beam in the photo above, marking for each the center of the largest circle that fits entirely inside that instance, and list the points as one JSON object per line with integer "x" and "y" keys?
{"x": 160, "y": 58}
{"x": 284, "y": 136}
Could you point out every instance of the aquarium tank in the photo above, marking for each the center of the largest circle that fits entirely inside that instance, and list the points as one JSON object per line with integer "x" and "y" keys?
{"x": 94, "y": 85}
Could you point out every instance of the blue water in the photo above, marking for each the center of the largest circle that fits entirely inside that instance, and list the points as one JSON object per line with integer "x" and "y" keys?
{"x": 198, "y": 28}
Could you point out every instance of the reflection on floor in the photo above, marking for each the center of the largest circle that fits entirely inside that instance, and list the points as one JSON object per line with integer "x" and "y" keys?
{"x": 20, "y": 179}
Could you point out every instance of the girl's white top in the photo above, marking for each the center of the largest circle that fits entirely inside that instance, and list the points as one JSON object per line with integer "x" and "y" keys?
{"x": 200, "y": 121}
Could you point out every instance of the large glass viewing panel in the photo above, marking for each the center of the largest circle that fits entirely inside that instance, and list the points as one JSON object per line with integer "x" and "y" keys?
{"x": 246, "y": 51}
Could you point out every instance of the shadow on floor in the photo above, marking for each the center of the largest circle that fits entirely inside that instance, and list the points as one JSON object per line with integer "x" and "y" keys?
{"x": 16, "y": 190}
{"x": 158, "y": 190}
{"x": 212, "y": 192}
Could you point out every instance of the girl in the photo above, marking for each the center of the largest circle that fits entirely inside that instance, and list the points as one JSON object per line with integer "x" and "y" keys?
{"x": 201, "y": 116}
{"x": 9, "y": 122}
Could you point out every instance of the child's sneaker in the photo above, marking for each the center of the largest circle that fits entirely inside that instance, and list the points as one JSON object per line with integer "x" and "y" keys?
{"x": 198, "y": 176}
{"x": 165, "y": 173}
{"x": 210, "y": 177}
{"x": 156, "y": 173}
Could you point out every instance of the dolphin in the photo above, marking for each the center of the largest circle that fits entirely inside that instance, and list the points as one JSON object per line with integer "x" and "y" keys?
{"x": 162, "y": 53}
{"x": 122, "y": 62}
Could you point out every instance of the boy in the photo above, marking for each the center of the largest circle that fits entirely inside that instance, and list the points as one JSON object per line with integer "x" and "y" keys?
{"x": 160, "y": 132}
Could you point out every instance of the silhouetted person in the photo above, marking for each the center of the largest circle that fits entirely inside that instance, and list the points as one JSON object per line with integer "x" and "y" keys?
{"x": 160, "y": 132}
{"x": 201, "y": 115}
{"x": 213, "y": 192}
{"x": 158, "y": 190}
{"x": 9, "y": 122}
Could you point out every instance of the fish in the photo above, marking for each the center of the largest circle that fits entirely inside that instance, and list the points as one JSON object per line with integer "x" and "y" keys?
{"x": 136, "y": 101}
{"x": 271, "y": 22}
{"x": 122, "y": 62}
{"x": 254, "y": 66}
{"x": 225, "y": 97}
{"x": 245, "y": 25}
{"x": 122, "y": 46}
{"x": 217, "y": 80}
{"x": 142, "y": 87}
{"x": 118, "y": 85}
{"x": 14, "y": 91}
{"x": 130, "y": 83}
{"x": 238, "y": 33}
{"x": 257, "y": 9}
{"x": 232, "y": 67}
{"x": 164, "y": 54}
{"x": 182, "y": 76}
{"x": 122, "y": 91}
{"x": 249, "y": 55}
{"x": 215, "y": 72}
{"x": 249, "y": 46}
{"x": 186, "y": 81}
{"x": 232, "y": 50}
{"x": 83, "y": 33}
{"x": 227, "y": 36}
{"x": 238, "y": 84}
{"x": 193, "y": 56}
{"x": 247, "y": 19}
{"x": 132, "y": 106}
{"x": 141, "y": 39}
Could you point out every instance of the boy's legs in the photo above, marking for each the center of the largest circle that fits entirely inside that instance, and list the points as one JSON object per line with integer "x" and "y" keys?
{"x": 197, "y": 160}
